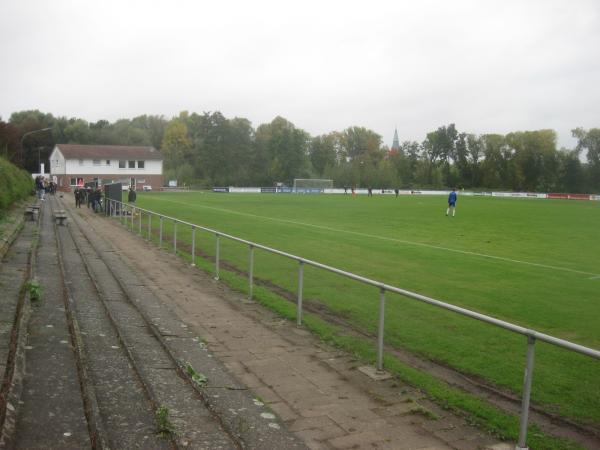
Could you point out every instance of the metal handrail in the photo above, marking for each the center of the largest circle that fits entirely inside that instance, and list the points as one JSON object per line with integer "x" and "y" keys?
{"x": 532, "y": 335}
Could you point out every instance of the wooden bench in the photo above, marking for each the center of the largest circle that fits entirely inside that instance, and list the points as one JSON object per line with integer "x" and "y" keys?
{"x": 30, "y": 213}
{"x": 60, "y": 216}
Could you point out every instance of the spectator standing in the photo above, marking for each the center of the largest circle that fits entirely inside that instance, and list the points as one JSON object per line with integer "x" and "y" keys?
{"x": 77, "y": 194}
{"x": 89, "y": 197}
{"x": 39, "y": 185}
{"x": 97, "y": 201}
{"x": 132, "y": 196}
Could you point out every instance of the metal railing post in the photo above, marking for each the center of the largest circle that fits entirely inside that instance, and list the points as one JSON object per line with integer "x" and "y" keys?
{"x": 175, "y": 236}
{"x": 217, "y": 256}
{"x": 522, "y": 443}
{"x": 141, "y": 214}
{"x": 132, "y": 216}
{"x": 160, "y": 228}
{"x": 193, "y": 245}
{"x": 251, "y": 273}
{"x": 149, "y": 227}
{"x": 299, "y": 303}
{"x": 380, "y": 330}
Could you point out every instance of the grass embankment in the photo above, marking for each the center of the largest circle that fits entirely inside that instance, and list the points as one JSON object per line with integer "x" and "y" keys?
{"x": 15, "y": 184}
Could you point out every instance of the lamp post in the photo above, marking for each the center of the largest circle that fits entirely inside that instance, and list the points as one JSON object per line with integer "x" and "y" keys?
{"x": 33, "y": 132}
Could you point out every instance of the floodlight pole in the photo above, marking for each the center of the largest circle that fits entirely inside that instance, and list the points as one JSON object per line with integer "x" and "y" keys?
{"x": 30, "y": 133}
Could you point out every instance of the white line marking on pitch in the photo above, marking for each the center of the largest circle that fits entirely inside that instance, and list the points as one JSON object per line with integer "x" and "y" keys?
{"x": 400, "y": 241}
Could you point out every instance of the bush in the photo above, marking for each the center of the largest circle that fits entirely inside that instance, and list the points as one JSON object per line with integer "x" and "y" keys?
{"x": 15, "y": 184}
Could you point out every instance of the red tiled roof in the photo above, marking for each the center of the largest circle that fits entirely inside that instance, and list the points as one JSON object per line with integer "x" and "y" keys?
{"x": 73, "y": 151}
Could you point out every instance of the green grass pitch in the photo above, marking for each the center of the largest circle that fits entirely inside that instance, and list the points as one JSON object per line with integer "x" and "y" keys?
{"x": 535, "y": 263}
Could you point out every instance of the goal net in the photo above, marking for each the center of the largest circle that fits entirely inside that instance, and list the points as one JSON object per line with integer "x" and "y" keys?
{"x": 308, "y": 185}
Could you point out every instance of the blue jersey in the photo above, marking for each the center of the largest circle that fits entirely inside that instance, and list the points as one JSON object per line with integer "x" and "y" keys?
{"x": 452, "y": 198}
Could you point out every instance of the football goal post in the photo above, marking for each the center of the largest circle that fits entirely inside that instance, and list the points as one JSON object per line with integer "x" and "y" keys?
{"x": 312, "y": 185}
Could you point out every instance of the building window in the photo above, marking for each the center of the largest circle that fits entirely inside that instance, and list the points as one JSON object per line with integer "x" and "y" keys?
{"x": 121, "y": 164}
{"x": 81, "y": 162}
{"x": 108, "y": 162}
{"x": 73, "y": 182}
{"x": 96, "y": 162}
{"x": 131, "y": 164}
{"x": 140, "y": 164}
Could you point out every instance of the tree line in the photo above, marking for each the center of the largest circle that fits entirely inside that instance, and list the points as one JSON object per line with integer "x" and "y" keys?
{"x": 209, "y": 149}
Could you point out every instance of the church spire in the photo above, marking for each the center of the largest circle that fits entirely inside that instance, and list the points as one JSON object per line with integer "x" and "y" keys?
{"x": 396, "y": 142}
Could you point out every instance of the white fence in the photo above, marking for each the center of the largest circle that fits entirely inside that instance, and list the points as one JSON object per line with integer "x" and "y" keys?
{"x": 365, "y": 191}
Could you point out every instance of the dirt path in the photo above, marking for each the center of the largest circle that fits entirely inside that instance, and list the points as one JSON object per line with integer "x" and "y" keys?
{"x": 316, "y": 390}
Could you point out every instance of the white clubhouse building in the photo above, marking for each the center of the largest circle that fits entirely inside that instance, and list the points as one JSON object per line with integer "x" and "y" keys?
{"x": 75, "y": 165}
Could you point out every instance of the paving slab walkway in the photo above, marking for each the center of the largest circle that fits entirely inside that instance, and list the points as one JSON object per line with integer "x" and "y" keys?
{"x": 315, "y": 389}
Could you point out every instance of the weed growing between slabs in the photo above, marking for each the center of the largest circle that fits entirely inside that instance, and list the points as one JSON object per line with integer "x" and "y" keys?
{"x": 164, "y": 428}
{"x": 198, "y": 378}
{"x": 532, "y": 262}
{"x": 35, "y": 290}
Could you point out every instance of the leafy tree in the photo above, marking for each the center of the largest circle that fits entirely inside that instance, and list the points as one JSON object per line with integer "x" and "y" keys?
{"x": 589, "y": 140}
{"x": 209, "y": 149}
{"x": 359, "y": 142}
{"x": 284, "y": 148}
{"x": 176, "y": 146}
{"x": 225, "y": 149}
{"x": 497, "y": 159}
{"x": 36, "y": 147}
{"x": 9, "y": 142}
{"x": 440, "y": 147}
{"x": 534, "y": 158}
{"x": 77, "y": 131}
{"x": 153, "y": 128}
{"x": 475, "y": 152}
{"x": 324, "y": 152}
{"x": 571, "y": 176}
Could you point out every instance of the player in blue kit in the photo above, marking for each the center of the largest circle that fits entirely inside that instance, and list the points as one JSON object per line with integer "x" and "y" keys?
{"x": 452, "y": 202}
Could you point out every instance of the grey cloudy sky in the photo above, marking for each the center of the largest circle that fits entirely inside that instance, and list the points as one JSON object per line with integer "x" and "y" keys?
{"x": 488, "y": 66}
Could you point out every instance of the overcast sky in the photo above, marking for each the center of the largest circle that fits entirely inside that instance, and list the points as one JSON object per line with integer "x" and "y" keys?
{"x": 487, "y": 66}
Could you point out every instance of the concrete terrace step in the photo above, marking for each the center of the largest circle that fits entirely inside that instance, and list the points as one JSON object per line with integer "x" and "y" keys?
{"x": 125, "y": 413}
{"x": 51, "y": 395}
{"x": 15, "y": 250}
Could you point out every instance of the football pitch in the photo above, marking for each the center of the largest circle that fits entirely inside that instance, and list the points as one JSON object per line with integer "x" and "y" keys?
{"x": 535, "y": 263}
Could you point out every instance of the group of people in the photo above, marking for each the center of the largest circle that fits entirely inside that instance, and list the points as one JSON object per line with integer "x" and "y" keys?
{"x": 452, "y": 197}
{"x": 43, "y": 187}
{"x": 91, "y": 197}
{"x": 369, "y": 191}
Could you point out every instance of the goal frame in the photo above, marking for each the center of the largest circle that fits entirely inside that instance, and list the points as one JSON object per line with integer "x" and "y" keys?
{"x": 312, "y": 184}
